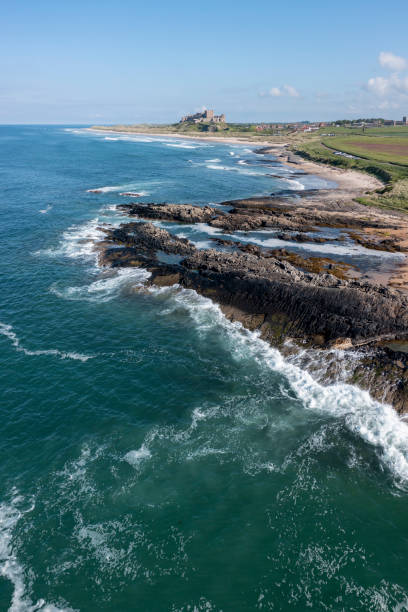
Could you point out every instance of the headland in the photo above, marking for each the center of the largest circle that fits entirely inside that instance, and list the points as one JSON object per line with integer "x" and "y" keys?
{"x": 296, "y": 302}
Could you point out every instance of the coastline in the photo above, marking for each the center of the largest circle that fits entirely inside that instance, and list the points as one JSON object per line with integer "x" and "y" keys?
{"x": 219, "y": 139}
{"x": 351, "y": 183}
{"x": 295, "y": 300}
{"x": 294, "y": 303}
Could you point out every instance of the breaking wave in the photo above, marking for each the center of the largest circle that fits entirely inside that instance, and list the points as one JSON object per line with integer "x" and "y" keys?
{"x": 104, "y": 289}
{"x": 113, "y": 188}
{"x": 377, "y": 424}
{"x": 78, "y": 241}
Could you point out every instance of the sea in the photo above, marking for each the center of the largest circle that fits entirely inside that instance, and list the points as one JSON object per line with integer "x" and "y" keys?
{"x": 155, "y": 457}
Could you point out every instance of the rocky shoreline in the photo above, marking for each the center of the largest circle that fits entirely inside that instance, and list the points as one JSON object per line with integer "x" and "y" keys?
{"x": 271, "y": 291}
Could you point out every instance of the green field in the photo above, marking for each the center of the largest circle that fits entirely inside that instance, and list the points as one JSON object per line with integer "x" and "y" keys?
{"x": 390, "y": 130}
{"x": 386, "y": 157}
{"x": 390, "y": 149}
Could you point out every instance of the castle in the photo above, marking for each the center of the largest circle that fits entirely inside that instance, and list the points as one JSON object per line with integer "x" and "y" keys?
{"x": 206, "y": 116}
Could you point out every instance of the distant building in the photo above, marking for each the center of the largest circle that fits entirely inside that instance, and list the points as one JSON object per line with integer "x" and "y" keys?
{"x": 206, "y": 116}
{"x": 404, "y": 120}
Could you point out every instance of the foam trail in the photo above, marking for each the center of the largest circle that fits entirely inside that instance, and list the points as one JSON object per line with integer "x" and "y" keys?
{"x": 135, "y": 457}
{"x": 376, "y": 423}
{"x": 183, "y": 146}
{"x": 10, "y": 568}
{"x": 44, "y": 211}
{"x": 7, "y": 330}
{"x": 104, "y": 289}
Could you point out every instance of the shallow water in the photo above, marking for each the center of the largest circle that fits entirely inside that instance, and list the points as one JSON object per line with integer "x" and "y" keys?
{"x": 153, "y": 455}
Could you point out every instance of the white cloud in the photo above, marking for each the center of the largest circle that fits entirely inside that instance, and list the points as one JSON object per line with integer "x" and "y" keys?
{"x": 277, "y": 92}
{"x": 291, "y": 91}
{"x": 379, "y": 85}
{"x": 392, "y": 62}
{"x": 382, "y": 86}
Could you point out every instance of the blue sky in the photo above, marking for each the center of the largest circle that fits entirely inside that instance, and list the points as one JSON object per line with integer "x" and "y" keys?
{"x": 130, "y": 61}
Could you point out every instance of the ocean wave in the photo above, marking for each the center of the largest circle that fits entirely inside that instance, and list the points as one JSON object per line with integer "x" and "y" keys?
{"x": 294, "y": 184}
{"x": 183, "y": 146}
{"x": 78, "y": 241}
{"x": 377, "y": 424}
{"x": 238, "y": 169}
{"x": 107, "y": 189}
{"x": 7, "y": 331}
{"x": 10, "y": 568}
{"x": 103, "y": 289}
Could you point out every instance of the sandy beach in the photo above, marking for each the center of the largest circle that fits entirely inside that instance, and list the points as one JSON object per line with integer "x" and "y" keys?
{"x": 219, "y": 139}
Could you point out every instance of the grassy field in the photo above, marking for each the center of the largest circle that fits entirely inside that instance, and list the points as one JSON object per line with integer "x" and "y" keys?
{"x": 390, "y": 130}
{"x": 390, "y": 149}
{"x": 384, "y": 154}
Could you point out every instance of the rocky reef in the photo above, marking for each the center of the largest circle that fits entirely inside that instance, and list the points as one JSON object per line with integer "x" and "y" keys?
{"x": 283, "y": 296}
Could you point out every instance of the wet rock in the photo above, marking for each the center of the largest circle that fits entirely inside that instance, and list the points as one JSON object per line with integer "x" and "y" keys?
{"x": 149, "y": 238}
{"x": 265, "y": 291}
{"x": 182, "y": 213}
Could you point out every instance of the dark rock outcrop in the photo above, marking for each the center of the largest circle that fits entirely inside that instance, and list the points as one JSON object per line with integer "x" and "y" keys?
{"x": 182, "y": 213}
{"x": 265, "y": 291}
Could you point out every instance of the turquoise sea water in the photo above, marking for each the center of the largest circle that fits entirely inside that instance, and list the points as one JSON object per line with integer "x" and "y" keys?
{"x": 153, "y": 456}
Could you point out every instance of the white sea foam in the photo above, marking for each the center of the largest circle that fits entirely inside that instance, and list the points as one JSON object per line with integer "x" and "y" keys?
{"x": 44, "y": 211}
{"x": 107, "y": 189}
{"x": 134, "y": 457}
{"x": 10, "y": 568}
{"x": 327, "y": 247}
{"x": 182, "y": 146}
{"x": 293, "y": 184}
{"x": 7, "y": 330}
{"x": 238, "y": 169}
{"x": 212, "y": 161}
{"x": 78, "y": 241}
{"x": 376, "y": 423}
{"x": 106, "y": 288}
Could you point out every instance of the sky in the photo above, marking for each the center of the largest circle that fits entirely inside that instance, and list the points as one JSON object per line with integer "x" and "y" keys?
{"x": 132, "y": 61}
